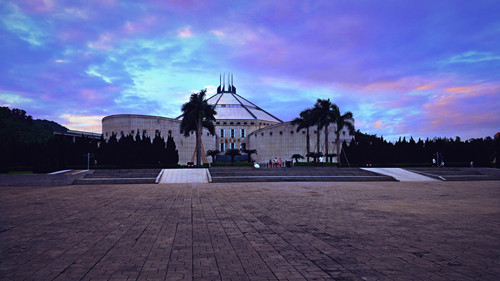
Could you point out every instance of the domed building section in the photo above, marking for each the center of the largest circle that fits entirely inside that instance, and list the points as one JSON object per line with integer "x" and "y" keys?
{"x": 236, "y": 117}
{"x": 240, "y": 124}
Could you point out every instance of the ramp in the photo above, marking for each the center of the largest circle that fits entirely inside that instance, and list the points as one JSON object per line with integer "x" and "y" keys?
{"x": 399, "y": 174}
{"x": 184, "y": 176}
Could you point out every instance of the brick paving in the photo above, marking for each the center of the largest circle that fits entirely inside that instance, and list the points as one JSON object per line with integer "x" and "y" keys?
{"x": 252, "y": 231}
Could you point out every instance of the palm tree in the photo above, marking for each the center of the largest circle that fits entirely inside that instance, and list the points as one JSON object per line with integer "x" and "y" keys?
{"x": 322, "y": 116}
{"x": 297, "y": 157}
{"x": 249, "y": 152}
{"x": 341, "y": 122}
{"x": 304, "y": 121}
{"x": 198, "y": 114}
{"x": 233, "y": 153}
{"x": 326, "y": 115}
{"x": 213, "y": 153}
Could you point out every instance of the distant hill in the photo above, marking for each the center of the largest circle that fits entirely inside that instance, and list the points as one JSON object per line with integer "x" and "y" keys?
{"x": 18, "y": 127}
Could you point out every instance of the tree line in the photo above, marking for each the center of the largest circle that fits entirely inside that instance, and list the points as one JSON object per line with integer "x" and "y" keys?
{"x": 60, "y": 152}
{"x": 367, "y": 149}
{"x": 30, "y": 145}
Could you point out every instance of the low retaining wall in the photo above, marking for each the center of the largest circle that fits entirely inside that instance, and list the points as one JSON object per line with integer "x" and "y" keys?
{"x": 40, "y": 179}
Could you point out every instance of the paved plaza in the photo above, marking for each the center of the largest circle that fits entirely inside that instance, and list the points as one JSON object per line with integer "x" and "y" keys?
{"x": 252, "y": 231}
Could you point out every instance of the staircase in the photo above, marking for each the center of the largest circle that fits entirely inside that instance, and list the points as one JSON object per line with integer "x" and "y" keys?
{"x": 328, "y": 174}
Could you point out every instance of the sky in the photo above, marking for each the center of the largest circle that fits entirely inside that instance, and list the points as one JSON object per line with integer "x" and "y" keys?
{"x": 403, "y": 68}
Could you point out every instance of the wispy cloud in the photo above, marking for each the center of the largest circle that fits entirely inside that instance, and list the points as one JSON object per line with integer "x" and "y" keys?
{"x": 22, "y": 26}
{"x": 474, "y": 57}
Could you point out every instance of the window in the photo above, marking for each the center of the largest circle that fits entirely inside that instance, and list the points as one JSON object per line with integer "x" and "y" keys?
{"x": 251, "y": 123}
{"x": 303, "y": 132}
{"x": 270, "y": 133}
{"x": 218, "y": 123}
{"x": 343, "y": 133}
{"x": 222, "y": 147}
{"x": 237, "y": 123}
{"x": 243, "y": 133}
{"x": 222, "y": 134}
{"x": 132, "y": 132}
{"x": 291, "y": 132}
{"x": 262, "y": 134}
{"x": 232, "y": 145}
{"x": 244, "y": 123}
{"x": 281, "y": 132}
{"x": 231, "y": 123}
{"x": 231, "y": 133}
{"x": 224, "y": 123}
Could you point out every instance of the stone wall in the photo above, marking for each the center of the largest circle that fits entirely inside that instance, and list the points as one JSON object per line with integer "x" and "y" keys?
{"x": 282, "y": 141}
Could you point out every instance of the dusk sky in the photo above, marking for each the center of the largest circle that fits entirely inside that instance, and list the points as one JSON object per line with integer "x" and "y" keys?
{"x": 403, "y": 68}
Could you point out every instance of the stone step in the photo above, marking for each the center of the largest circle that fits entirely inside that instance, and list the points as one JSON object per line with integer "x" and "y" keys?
{"x": 93, "y": 181}
{"x": 220, "y": 179}
{"x": 326, "y": 174}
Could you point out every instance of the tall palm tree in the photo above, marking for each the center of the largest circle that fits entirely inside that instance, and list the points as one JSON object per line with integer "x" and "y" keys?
{"x": 316, "y": 119}
{"x": 326, "y": 114}
{"x": 341, "y": 122}
{"x": 304, "y": 122}
{"x": 197, "y": 114}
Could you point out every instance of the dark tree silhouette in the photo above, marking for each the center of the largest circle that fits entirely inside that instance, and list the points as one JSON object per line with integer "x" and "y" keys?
{"x": 171, "y": 153}
{"x": 297, "y": 157}
{"x": 342, "y": 121}
{"x": 249, "y": 152}
{"x": 233, "y": 153}
{"x": 304, "y": 122}
{"x": 197, "y": 114}
{"x": 213, "y": 154}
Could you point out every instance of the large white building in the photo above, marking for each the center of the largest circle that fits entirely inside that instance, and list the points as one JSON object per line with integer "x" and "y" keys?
{"x": 239, "y": 124}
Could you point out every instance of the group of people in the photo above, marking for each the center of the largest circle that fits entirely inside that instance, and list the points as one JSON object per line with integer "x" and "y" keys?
{"x": 434, "y": 164}
{"x": 276, "y": 162}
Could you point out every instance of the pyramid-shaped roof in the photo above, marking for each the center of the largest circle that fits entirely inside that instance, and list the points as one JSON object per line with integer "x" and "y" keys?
{"x": 230, "y": 105}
